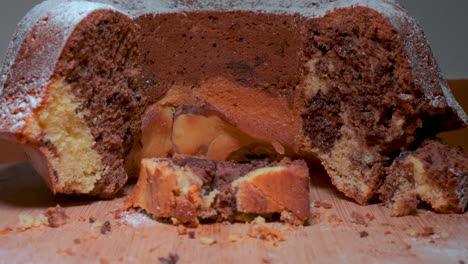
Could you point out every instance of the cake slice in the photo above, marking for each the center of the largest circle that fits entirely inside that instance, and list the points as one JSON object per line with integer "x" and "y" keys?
{"x": 434, "y": 173}
{"x": 187, "y": 189}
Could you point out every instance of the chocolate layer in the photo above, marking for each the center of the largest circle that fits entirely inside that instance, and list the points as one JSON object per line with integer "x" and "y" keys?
{"x": 100, "y": 64}
{"x": 240, "y": 46}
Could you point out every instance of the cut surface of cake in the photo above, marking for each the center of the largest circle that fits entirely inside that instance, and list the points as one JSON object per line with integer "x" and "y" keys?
{"x": 433, "y": 173}
{"x": 91, "y": 88}
{"x": 187, "y": 189}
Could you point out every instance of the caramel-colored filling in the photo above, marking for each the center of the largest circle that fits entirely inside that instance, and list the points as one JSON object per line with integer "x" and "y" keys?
{"x": 227, "y": 119}
{"x": 207, "y": 135}
{"x": 77, "y": 164}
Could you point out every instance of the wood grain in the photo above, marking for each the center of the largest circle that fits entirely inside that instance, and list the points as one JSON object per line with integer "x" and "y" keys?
{"x": 335, "y": 234}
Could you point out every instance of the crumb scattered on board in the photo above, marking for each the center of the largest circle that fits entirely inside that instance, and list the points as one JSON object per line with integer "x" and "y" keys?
{"x": 325, "y": 205}
{"x": 56, "y": 216}
{"x": 104, "y": 261}
{"x": 52, "y": 217}
{"x": 27, "y": 221}
{"x": 136, "y": 219}
{"x": 358, "y": 218}
{"x": 261, "y": 231}
{"x": 268, "y": 258}
{"x": 171, "y": 259}
{"x": 234, "y": 238}
{"x": 363, "y": 234}
{"x": 106, "y": 227}
{"x": 207, "y": 241}
{"x": 191, "y": 234}
{"x": 181, "y": 230}
{"x": 426, "y": 231}
{"x": 70, "y": 252}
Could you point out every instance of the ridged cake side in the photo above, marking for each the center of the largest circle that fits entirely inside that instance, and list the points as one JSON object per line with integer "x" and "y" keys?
{"x": 62, "y": 89}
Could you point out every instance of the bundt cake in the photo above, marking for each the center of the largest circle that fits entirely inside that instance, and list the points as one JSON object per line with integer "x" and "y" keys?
{"x": 91, "y": 88}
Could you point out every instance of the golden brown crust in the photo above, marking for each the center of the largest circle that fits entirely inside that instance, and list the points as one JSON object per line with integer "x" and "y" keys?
{"x": 40, "y": 163}
{"x": 276, "y": 191}
{"x": 153, "y": 191}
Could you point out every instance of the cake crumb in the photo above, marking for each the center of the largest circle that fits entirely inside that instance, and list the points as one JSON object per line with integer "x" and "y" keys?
{"x": 171, "y": 259}
{"x": 175, "y": 221}
{"x": 27, "y": 221}
{"x": 181, "y": 230}
{"x": 318, "y": 204}
{"x": 207, "y": 241}
{"x": 358, "y": 219}
{"x": 287, "y": 227}
{"x": 104, "y": 261}
{"x": 92, "y": 219}
{"x": 77, "y": 241}
{"x": 191, "y": 234}
{"x": 259, "y": 220}
{"x": 363, "y": 234}
{"x": 88, "y": 237}
{"x": 261, "y": 231}
{"x": 427, "y": 231}
{"x": 6, "y": 230}
{"x": 370, "y": 217}
{"x": 118, "y": 214}
{"x": 153, "y": 249}
{"x": 56, "y": 216}
{"x": 265, "y": 233}
{"x": 268, "y": 258}
{"x": 234, "y": 238}
{"x": 317, "y": 215}
{"x": 106, "y": 227}
{"x": 334, "y": 220}
{"x": 412, "y": 232}
{"x": 387, "y": 233}
{"x": 70, "y": 252}
{"x": 290, "y": 218}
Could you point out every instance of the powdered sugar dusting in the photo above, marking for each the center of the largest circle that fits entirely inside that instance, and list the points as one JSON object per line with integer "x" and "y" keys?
{"x": 137, "y": 219}
{"x": 313, "y": 8}
{"x": 24, "y": 83}
{"x": 453, "y": 103}
{"x": 63, "y": 15}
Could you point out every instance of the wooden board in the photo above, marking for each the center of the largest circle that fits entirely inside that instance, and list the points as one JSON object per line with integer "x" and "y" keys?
{"x": 335, "y": 235}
